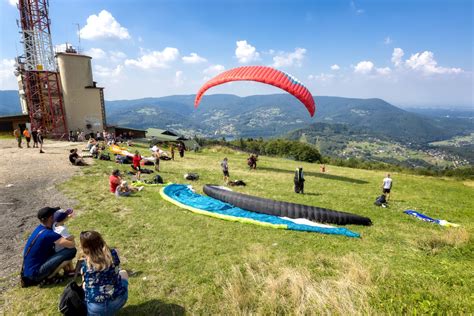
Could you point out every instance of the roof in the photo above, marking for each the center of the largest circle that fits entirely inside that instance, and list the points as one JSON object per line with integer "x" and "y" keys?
{"x": 15, "y": 116}
{"x": 159, "y": 132}
{"x": 128, "y": 128}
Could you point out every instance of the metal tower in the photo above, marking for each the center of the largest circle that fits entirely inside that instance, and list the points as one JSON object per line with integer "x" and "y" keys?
{"x": 40, "y": 81}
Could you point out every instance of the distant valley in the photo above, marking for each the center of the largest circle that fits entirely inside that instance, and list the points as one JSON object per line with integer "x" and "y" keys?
{"x": 344, "y": 127}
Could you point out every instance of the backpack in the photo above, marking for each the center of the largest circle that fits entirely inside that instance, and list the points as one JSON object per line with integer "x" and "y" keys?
{"x": 158, "y": 179}
{"x": 380, "y": 200}
{"x": 72, "y": 301}
{"x": 104, "y": 157}
{"x": 191, "y": 176}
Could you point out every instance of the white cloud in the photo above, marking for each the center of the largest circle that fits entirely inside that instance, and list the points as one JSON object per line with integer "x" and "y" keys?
{"x": 322, "y": 77}
{"x": 335, "y": 67}
{"x": 13, "y": 2}
{"x": 364, "y": 67}
{"x": 245, "y": 52}
{"x": 97, "y": 53}
{"x": 116, "y": 55}
{"x": 384, "y": 71}
{"x": 212, "y": 71}
{"x": 426, "y": 63}
{"x": 289, "y": 59}
{"x": 193, "y": 58}
{"x": 178, "y": 78}
{"x": 155, "y": 59}
{"x": 357, "y": 10}
{"x": 397, "y": 56}
{"x": 102, "y": 71}
{"x": 387, "y": 40}
{"x": 7, "y": 78}
{"x": 103, "y": 26}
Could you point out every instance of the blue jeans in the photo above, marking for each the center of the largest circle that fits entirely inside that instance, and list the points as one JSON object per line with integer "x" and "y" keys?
{"x": 53, "y": 263}
{"x": 109, "y": 308}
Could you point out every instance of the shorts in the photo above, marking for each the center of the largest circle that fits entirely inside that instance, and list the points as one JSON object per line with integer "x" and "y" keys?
{"x": 137, "y": 168}
{"x": 109, "y": 307}
{"x": 386, "y": 190}
{"x": 226, "y": 173}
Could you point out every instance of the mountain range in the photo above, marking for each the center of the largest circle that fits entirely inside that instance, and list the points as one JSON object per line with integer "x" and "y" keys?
{"x": 231, "y": 116}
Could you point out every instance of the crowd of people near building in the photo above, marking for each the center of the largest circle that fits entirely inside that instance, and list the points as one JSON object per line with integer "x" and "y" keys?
{"x": 36, "y": 134}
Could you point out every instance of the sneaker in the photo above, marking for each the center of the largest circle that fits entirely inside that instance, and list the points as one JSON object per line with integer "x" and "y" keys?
{"x": 41, "y": 152}
{"x": 140, "y": 188}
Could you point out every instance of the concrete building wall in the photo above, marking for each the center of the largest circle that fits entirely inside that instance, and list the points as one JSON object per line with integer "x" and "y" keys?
{"x": 82, "y": 100}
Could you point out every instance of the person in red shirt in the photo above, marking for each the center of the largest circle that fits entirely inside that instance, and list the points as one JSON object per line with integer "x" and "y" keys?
{"x": 115, "y": 180}
{"x": 136, "y": 163}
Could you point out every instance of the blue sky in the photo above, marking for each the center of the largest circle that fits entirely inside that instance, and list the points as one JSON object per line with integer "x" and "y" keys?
{"x": 410, "y": 53}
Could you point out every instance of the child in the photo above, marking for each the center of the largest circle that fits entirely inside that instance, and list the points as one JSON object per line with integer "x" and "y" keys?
{"x": 136, "y": 163}
{"x": 105, "y": 284}
{"x": 225, "y": 169}
{"x": 60, "y": 218}
{"x": 124, "y": 190}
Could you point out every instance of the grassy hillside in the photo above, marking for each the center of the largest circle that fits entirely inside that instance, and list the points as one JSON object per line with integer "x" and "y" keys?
{"x": 187, "y": 263}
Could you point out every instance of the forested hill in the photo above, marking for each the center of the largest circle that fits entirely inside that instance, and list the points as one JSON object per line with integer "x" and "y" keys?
{"x": 277, "y": 114}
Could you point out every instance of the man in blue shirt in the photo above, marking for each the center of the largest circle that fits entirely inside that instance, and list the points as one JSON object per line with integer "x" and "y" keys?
{"x": 40, "y": 261}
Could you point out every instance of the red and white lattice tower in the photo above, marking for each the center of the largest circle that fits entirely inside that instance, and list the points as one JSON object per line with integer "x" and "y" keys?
{"x": 37, "y": 67}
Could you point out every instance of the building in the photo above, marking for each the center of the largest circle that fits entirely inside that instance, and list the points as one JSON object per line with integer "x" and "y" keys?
{"x": 126, "y": 131}
{"x": 12, "y": 122}
{"x": 83, "y": 101}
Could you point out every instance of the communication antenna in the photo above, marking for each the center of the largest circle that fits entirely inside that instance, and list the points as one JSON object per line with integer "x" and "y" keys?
{"x": 78, "y": 35}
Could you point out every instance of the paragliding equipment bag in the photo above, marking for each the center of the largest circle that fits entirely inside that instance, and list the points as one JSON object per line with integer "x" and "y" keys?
{"x": 72, "y": 301}
{"x": 380, "y": 200}
{"x": 191, "y": 176}
{"x": 104, "y": 157}
{"x": 24, "y": 281}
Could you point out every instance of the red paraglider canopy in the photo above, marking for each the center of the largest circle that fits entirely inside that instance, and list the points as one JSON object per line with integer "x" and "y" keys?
{"x": 266, "y": 75}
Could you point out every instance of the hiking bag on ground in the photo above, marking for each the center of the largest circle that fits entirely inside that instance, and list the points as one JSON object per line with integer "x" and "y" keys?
{"x": 72, "y": 301}
{"x": 380, "y": 200}
{"x": 104, "y": 157}
{"x": 191, "y": 176}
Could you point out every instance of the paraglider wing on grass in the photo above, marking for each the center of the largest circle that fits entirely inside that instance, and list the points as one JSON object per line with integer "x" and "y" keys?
{"x": 286, "y": 209}
{"x": 266, "y": 75}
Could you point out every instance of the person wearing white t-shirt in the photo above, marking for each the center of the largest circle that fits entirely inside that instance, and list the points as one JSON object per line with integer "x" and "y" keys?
{"x": 387, "y": 186}
{"x": 59, "y": 227}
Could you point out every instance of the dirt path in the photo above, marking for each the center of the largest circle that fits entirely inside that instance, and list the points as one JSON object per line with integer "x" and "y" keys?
{"x": 27, "y": 183}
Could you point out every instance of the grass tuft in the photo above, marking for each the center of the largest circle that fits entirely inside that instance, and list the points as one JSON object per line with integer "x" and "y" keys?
{"x": 262, "y": 286}
{"x": 451, "y": 238}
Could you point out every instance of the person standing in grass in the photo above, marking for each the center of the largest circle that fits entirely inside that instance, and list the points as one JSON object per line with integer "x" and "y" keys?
{"x": 299, "y": 180}
{"x": 387, "y": 186}
{"x": 27, "y": 135}
{"x": 225, "y": 169}
{"x": 105, "y": 284}
{"x": 136, "y": 163}
{"x": 172, "y": 151}
{"x": 17, "y": 135}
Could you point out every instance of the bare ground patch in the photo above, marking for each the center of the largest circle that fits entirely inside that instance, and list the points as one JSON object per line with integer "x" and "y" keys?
{"x": 28, "y": 182}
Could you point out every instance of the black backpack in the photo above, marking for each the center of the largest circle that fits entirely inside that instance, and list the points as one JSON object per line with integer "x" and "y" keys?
{"x": 72, "y": 301}
{"x": 158, "y": 179}
{"x": 104, "y": 157}
{"x": 380, "y": 200}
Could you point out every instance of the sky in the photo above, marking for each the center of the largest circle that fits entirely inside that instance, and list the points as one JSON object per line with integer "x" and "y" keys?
{"x": 410, "y": 53}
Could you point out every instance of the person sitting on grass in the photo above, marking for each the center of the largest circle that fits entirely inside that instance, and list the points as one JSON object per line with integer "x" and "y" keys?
{"x": 60, "y": 218}
{"x": 95, "y": 151}
{"x": 136, "y": 163}
{"x": 125, "y": 190}
{"x": 75, "y": 159}
{"x": 105, "y": 284}
{"x": 91, "y": 142}
{"x": 40, "y": 262}
{"x": 114, "y": 180}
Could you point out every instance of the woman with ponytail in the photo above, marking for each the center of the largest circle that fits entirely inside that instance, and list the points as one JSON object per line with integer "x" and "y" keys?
{"x": 105, "y": 285}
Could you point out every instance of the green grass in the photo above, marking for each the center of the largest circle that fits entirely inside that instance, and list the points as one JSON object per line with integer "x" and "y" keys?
{"x": 201, "y": 265}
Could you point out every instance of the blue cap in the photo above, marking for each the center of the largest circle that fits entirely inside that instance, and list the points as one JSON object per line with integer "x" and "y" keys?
{"x": 61, "y": 214}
